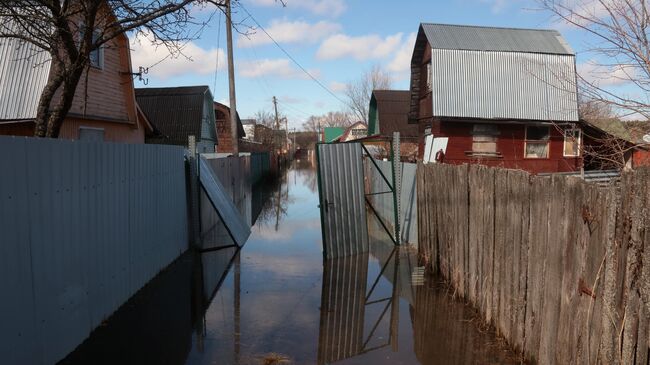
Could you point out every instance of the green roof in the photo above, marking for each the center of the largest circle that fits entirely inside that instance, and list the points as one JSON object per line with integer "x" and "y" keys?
{"x": 332, "y": 133}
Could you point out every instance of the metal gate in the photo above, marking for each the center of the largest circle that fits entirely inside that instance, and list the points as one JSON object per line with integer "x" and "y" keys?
{"x": 342, "y": 203}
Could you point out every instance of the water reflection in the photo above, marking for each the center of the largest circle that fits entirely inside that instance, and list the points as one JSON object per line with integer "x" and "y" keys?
{"x": 277, "y": 297}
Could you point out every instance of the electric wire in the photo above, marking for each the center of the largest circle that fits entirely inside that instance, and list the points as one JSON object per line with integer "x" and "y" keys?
{"x": 289, "y": 55}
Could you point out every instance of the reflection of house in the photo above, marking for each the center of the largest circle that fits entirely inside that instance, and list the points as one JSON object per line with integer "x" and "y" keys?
{"x": 108, "y": 112}
{"x": 504, "y": 97}
{"x": 222, "y": 115}
{"x": 388, "y": 113}
{"x": 180, "y": 112}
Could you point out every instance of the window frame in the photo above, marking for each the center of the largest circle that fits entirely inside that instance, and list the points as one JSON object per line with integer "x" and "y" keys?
{"x": 527, "y": 141}
{"x": 579, "y": 141}
{"x": 100, "y": 50}
{"x": 490, "y": 132}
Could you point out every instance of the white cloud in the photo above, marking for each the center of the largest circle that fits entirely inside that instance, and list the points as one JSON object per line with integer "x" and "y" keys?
{"x": 284, "y": 31}
{"x": 337, "y": 86}
{"x": 604, "y": 76}
{"x": 193, "y": 60}
{"x": 331, "y": 8}
{"x": 360, "y": 48}
{"x": 281, "y": 68}
{"x": 402, "y": 61}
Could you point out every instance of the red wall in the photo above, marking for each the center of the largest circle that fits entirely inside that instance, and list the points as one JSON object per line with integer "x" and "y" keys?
{"x": 640, "y": 158}
{"x": 510, "y": 143}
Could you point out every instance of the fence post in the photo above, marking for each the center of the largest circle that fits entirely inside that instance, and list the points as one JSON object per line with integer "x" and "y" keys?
{"x": 194, "y": 201}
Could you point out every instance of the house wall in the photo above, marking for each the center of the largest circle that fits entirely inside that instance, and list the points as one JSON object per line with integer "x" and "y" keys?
{"x": 510, "y": 144}
{"x": 106, "y": 99}
{"x": 223, "y": 130}
{"x": 640, "y": 158}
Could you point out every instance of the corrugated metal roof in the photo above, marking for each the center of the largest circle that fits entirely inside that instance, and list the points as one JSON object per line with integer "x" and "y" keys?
{"x": 24, "y": 71}
{"x": 393, "y": 107}
{"x": 475, "y": 38}
{"x": 503, "y": 85}
{"x": 177, "y": 112}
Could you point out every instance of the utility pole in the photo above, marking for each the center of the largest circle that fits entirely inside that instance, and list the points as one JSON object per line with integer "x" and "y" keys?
{"x": 231, "y": 83}
{"x": 277, "y": 121}
{"x": 277, "y": 130}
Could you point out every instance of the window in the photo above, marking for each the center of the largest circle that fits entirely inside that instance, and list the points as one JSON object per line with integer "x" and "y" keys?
{"x": 96, "y": 56}
{"x": 429, "y": 77}
{"x": 572, "y": 137}
{"x": 90, "y": 134}
{"x": 537, "y": 141}
{"x": 484, "y": 139}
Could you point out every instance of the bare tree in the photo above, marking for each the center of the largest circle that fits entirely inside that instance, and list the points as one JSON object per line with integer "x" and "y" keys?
{"x": 621, "y": 51}
{"x": 358, "y": 92}
{"x": 330, "y": 119}
{"x": 71, "y": 30}
{"x": 265, "y": 118}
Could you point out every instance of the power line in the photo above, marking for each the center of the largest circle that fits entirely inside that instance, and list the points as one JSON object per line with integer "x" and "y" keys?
{"x": 290, "y": 57}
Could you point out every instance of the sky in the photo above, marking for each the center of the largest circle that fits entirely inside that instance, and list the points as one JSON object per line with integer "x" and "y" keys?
{"x": 335, "y": 41}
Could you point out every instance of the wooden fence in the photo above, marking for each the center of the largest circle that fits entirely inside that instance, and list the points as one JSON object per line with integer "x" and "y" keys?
{"x": 560, "y": 267}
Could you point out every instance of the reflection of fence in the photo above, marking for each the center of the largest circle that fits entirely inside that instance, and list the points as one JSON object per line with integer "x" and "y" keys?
{"x": 83, "y": 226}
{"x": 560, "y": 267}
{"x": 383, "y": 201}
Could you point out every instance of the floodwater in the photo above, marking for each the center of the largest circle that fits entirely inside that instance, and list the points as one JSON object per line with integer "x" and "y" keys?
{"x": 277, "y": 302}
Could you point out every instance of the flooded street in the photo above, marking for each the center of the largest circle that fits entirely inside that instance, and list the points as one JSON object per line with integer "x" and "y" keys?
{"x": 276, "y": 300}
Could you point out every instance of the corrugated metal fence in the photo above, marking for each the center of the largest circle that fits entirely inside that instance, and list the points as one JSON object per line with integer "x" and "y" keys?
{"x": 83, "y": 227}
{"x": 384, "y": 203}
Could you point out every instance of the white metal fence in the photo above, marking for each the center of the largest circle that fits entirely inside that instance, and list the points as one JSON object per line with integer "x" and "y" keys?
{"x": 83, "y": 226}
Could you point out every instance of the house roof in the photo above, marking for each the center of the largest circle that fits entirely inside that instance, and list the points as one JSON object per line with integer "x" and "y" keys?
{"x": 389, "y": 113}
{"x": 477, "y": 38}
{"x": 176, "y": 112}
{"x": 494, "y": 73}
{"x": 332, "y": 133}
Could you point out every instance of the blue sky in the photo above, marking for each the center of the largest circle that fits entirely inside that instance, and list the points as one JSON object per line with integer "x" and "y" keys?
{"x": 335, "y": 40}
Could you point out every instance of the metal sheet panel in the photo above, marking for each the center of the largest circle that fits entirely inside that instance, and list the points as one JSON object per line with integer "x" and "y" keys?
{"x": 24, "y": 70}
{"x": 343, "y": 213}
{"x": 343, "y": 308}
{"x": 503, "y": 85}
{"x": 449, "y": 36}
{"x": 84, "y": 226}
{"x": 223, "y": 203}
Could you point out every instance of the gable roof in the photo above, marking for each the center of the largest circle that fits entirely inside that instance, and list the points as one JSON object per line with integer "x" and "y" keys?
{"x": 389, "y": 111}
{"x": 176, "y": 112}
{"x": 477, "y": 38}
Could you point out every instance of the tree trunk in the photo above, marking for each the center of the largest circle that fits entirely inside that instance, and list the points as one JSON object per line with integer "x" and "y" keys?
{"x": 56, "y": 118}
{"x": 43, "y": 109}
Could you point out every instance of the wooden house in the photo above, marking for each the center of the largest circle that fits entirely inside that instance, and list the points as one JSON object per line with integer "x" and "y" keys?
{"x": 503, "y": 97}
{"x": 388, "y": 113}
{"x": 104, "y": 109}
{"x": 178, "y": 113}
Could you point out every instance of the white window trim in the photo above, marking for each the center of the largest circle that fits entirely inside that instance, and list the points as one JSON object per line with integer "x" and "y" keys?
{"x": 579, "y": 142}
{"x": 548, "y": 143}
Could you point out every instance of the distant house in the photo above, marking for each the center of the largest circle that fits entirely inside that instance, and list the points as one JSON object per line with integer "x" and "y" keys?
{"x": 103, "y": 110}
{"x": 354, "y": 131}
{"x": 388, "y": 113}
{"x": 503, "y": 97}
{"x": 180, "y": 112}
{"x": 249, "y": 128}
{"x": 331, "y": 134}
{"x": 222, "y": 115}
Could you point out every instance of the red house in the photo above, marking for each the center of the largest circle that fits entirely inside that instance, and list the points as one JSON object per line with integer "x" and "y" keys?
{"x": 503, "y": 97}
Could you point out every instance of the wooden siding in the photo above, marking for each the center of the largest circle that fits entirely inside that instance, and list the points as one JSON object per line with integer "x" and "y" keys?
{"x": 510, "y": 146}
{"x": 113, "y": 132}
